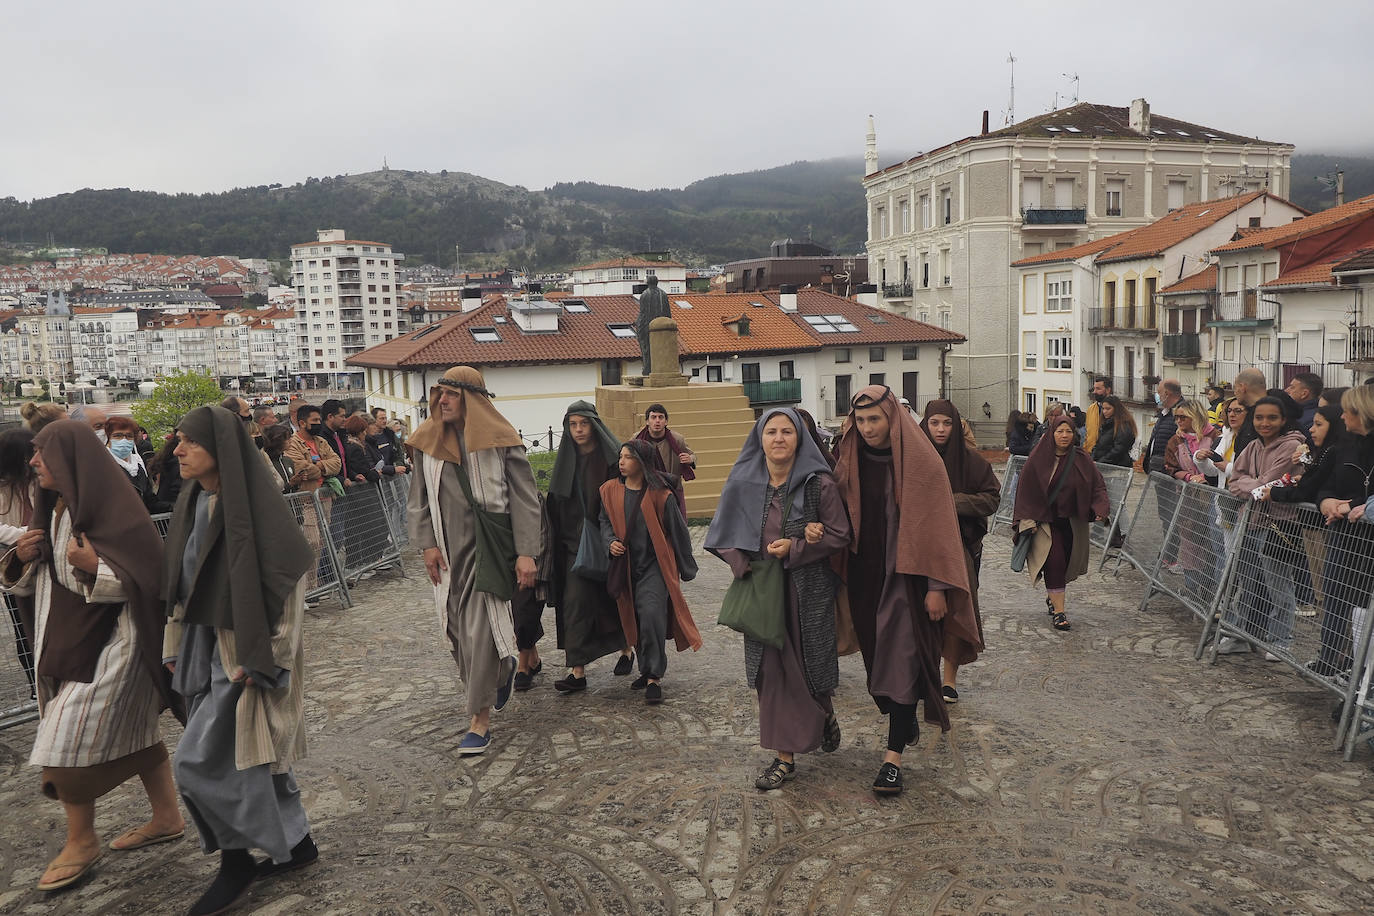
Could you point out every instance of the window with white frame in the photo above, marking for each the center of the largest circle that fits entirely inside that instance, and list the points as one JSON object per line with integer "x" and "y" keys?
{"x": 629, "y": 273}
{"x": 925, "y": 211}
{"x": 1030, "y": 350}
{"x": 947, "y": 206}
{"x": 1059, "y": 292}
{"x": 1177, "y": 189}
{"x": 1115, "y": 188}
{"x": 904, "y": 214}
{"x": 1058, "y": 351}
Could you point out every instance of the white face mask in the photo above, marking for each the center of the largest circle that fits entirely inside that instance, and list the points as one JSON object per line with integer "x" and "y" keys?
{"x": 104, "y": 437}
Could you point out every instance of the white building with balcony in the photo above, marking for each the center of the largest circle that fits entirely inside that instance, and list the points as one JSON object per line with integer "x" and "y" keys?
{"x": 621, "y": 276}
{"x": 945, "y": 226}
{"x": 103, "y": 343}
{"x": 347, "y": 296}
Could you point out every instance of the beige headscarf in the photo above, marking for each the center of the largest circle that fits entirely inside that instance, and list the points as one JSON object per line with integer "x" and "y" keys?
{"x": 481, "y": 425}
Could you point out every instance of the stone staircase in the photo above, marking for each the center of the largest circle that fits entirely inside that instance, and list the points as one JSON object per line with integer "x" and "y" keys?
{"x": 714, "y": 418}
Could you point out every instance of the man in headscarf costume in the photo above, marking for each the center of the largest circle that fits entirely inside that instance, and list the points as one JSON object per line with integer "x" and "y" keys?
{"x": 234, "y": 590}
{"x": 92, "y": 559}
{"x": 977, "y": 494}
{"x": 795, "y": 682}
{"x": 465, "y": 434}
{"x": 588, "y": 617}
{"x": 651, "y": 551}
{"x": 907, "y": 580}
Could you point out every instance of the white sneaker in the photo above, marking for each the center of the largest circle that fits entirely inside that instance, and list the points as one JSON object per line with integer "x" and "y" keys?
{"x": 1307, "y": 610}
{"x": 1229, "y": 645}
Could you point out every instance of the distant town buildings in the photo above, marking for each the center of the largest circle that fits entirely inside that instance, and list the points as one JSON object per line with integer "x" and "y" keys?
{"x": 620, "y": 276}
{"x": 793, "y": 263}
{"x": 945, "y": 226}
{"x": 346, "y": 300}
{"x": 75, "y": 273}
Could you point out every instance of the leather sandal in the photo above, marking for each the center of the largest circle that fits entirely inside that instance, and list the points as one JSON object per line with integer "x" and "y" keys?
{"x": 775, "y": 774}
{"x": 1060, "y": 621}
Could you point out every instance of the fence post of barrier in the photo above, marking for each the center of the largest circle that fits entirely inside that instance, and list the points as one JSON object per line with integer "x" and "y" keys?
{"x": 1123, "y": 554}
{"x": 1152, "y": 576}
{"x": 327, "y": 541}
{"x": 1352, "y": 714}
{"x": 1114, "y": 519}
{"x": 1211, "y": 625}
{"x": 395, "y": 522}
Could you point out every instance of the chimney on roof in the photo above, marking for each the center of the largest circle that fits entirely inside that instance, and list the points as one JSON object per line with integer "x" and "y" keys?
{"x": 867, "y": 294}
{"x": 1140, "y": 116}
{"x": 471, "y": 298}
{"x": 787, "y": 297}
{"x": 985, "y": 122}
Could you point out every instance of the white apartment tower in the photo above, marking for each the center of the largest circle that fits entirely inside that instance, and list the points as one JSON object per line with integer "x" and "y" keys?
{"x": 346, "y": 301}
{"x": 945, "y": 226}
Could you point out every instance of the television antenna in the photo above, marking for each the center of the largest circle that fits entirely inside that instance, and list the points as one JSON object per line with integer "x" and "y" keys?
{"x": 1334, "y": 181}
{"x": 1011, "y": 99}
{"x": 1073, "y": 78}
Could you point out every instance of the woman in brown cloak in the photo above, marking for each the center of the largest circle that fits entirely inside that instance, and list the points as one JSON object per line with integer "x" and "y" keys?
{"x": 976, "y": 495}
{"x": 1060, "y": 529}
{"x": 907, "y": 579}
{"x": 92, "y": 560}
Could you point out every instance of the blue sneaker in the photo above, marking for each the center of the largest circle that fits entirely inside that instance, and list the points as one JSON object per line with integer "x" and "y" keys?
{"x": 474, "y": 743}
{"x": 503, "y": 692}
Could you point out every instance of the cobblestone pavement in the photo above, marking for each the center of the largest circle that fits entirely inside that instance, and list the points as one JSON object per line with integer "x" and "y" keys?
{"x": 1101, "y": 770}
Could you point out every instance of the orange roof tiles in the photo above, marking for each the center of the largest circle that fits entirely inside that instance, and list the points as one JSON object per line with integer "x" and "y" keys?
{"x": 1155, "y": 238}
{"x": 627, "y": 262}
{"x": 875, "y": 326}
{"x": 1274, "y": 236}
{"x": 1318, "y": 273}
{"x": 1202, "y": 281}
{"x": 703, "y": 328}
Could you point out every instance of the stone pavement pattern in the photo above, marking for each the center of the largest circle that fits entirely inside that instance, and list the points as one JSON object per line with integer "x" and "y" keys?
{"x": 1101, "y": 771}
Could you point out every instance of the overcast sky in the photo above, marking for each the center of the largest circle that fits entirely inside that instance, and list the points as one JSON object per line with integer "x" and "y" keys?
{"x": 192, "y": 96}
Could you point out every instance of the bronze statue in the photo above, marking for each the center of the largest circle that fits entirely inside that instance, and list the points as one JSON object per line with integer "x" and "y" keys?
{"x": 653, "y": 303}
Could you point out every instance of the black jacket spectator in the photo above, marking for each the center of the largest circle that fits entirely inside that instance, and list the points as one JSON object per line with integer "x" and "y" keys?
{"x": 1113, "y": 444}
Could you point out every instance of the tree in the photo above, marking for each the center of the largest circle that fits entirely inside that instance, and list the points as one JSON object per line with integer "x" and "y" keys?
{"x": 175, "y": 395}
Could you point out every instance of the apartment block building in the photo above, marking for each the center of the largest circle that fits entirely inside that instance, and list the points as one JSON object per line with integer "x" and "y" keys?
{"x": 347, "y": 298}
{"x": 945, "y": 226}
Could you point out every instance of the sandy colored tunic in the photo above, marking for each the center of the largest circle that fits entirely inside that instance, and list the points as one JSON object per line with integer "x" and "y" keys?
{"x": 116, "y": 714}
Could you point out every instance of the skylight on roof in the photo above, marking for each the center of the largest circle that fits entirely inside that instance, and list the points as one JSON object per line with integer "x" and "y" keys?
{"x": 1157, "y": 132}
{"x": 428, "y": 330}
{"x": 829, "y": 324}
{"x": 576, "y": 308}
{"x": 758, "y": 305}
{"x": 877, "y": 319}
{"x": 1211, "y": 136}
{"x": 1052, "y": 127}
{"x": 1073, "y": 130}
{"x": 1182, "y": 133}
{"x": 499, "y": 319}
{"x": 622, "y": 330}
{"x": 486, "y": 335}
{"x": 682, "y": 303}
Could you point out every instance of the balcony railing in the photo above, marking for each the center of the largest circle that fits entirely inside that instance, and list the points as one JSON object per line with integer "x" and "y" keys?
{"x": 1182, "y": 346}
{"x": 897, "y": 290}
{"x": 1361, "y": 344}
{"x": 1246, "y": 305}
{"x": 1122, "y": 319}
{"x": 783, "y": 391}
{"x": 1054, "y": 216}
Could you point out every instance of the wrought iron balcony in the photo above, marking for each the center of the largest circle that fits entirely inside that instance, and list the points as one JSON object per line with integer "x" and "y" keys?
{"x": 1182, "y": 346}
{"x": 1246, "y": 305}
{"x": 897, "y": 290}
{"x": 1054, "y": 216}
{"x": 783, "y": 391}
{"x": 1361, "y": 344}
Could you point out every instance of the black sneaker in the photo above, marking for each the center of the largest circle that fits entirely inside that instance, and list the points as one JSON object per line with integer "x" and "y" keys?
{"x": 570, "y": 684}
{"x": 653, "y": 694}
{"x": 302, "y": 854}
{"x": 524, "y": 680}
{"x": 237, "y": 871}
{"x": 639, "y": 682}
{"x": 889, "y": 780}
{"x": 624, "y": 665}
{"x": 951, "y": 695}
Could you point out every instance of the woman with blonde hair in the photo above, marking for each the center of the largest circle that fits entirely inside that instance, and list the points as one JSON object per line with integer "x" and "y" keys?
{"x": 38, "y": 416}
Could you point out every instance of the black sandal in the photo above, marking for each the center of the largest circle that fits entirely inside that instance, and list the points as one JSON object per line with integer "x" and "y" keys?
{"x": 1060, "y": 621}
{"x": 830, "y": 736}
{"x": 1049, "y": 606}
{"x": 775, "y": 774}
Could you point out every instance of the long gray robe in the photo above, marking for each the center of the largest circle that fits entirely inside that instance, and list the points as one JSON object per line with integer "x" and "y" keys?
{"x": 502, "y": 481}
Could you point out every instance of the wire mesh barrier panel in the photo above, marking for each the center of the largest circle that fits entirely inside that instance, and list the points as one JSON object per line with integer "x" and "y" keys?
{"x": 1148, "y": 524}
{"x": 18, "y": 702}
{"x": 363, "y": 532}
{"x": 394, "y": 491}
{"x": 1357, "y": 709}
{"x": 1008, "y": 501}
{"x": 313, "y": 514}
{"x": 1106, "y": 537}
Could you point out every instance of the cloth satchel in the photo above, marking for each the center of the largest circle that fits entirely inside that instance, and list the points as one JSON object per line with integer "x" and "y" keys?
{"x": 753, "y": 603}
{"x": 495, "y": 539}
{"x": 593, "y": 559}
{"x": 1020, "y": 549}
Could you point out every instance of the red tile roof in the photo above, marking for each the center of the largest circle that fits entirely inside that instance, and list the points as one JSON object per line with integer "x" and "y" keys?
{"x": 1157, "y": 237}
{"x": 1202, "y": 281}
{"x": 1318, "y": 273}
{"x": 875, "y": 326}
{"x": 1354, "y": 211}
{"x": 703, "y": 328}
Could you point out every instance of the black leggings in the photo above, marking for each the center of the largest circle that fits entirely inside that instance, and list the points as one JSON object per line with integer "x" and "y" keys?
{"x": 901, "y": 725}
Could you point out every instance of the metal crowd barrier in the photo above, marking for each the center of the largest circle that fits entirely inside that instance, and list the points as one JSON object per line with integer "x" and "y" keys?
{"x": 18, "y": 702}
{"x": 394, "y": 492}
{"x": 313, "y": 515}
{"x": 362, "y": 525}
{"x": 1266, "y": 578}
{"x": 1008, "y": 501}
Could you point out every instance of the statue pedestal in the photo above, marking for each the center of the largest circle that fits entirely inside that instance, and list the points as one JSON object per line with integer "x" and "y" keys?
{"x": 714, "y": 418}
